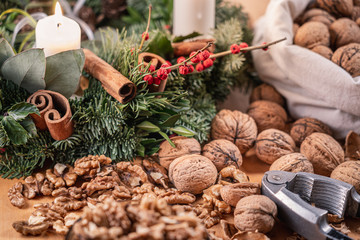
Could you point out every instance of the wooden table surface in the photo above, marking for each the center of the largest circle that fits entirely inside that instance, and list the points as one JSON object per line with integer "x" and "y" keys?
{"x": 251, "y": 165}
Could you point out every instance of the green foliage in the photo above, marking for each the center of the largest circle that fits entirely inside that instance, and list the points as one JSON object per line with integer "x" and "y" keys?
{"x": 6, "y": 4}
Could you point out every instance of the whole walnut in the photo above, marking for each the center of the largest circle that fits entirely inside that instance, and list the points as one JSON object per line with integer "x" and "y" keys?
{"x": 272, "y": 144}
{"x": 348, "y": 57}
{"x": 318, "y": 15}
{"x": 268, "y": 93}
{"x": 358, "y": 22}
{"x": 232, "y": 193}
{"x": 348, "y": 172}
{"x": 344, "y": 31}
{"x": 356, "y": 13}
{"x": 255, "y": 213}
{"x": 295, "y": 28}
{"x": 356, "y": 2}
{"x": 236, "y": 127}
{"x": 183, "y": 146}
{"x": 267, "y": 115}
{"x": 337, "y": 8}
{"x": 222, "y": 153}
{"x": 323, "y": 51}
{"x": 192, "y": 173}
{"x": 312, "y": 34}
{"x": 293, "y": 162}
{"x": 303, "y": 127}
{"x": 323, "y": 151}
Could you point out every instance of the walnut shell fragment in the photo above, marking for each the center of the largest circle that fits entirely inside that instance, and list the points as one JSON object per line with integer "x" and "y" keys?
{"x": 192, "y": 173}
{"x": 303, "y": 127}
{"x": 337, "y": 8}
{"x": 272, "y": 144}
{"x": 348, "y": 172}
{"x": 323, "y": 151}
{"x": 222, "y": 153}
{"x": 344, "y": 31}
{"x": 348, "y": 57}
{"x": 268, "y": 93}
{"x": 312, "y": 34}
{"x": 267, "y": 115}
{"x": 232, "y": 193}
{"x": 352, "y": 146}
{"x": 293, "y": 162}
{"x": 235, "y": 126}
{"x": 255, "y": 213}
{"x": 183, "y": 146}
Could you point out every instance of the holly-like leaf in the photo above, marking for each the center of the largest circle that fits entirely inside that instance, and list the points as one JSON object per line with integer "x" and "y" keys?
{"x": 6, "y": 51}
{"x": 16, "y": 133}
{"x": 160, "y": 45}
{"x": 21, "y": 110}
{"x": 148, "y": 126}
{"x": 63, "y": 71}
{"x": 4, "y": 139}
{"x": 167, "y": 138}
{"x": 29, "y": 125}
{"x": 26, "y": 69}
{"x": 182, "y": 38}
{"x": 182, "y": 131}
{"x": 170, "y": 122}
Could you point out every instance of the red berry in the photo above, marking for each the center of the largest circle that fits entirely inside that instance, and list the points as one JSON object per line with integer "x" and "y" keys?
{"x": 204, "y": 55}
{"x": 157, "y": 80}
{"x": 152, "y": 68}
{"x": 165, "y": 65}
{"x": 265, "y": 48}
{"x": 168, "y": 63}
{"x": 194, "y": 59}
{"x": 199, "y": 67}
{"x": 132, "y": 51}
{"x": 243, "y": 45}
{"x": 149, "y": 79}
{"x": 208, "y": 63}
{"x": 146, "y": 36}
{"x": 235, "y": 49}
{"x": 183, "y": 70}
{"x": 162, "y": 74}
{"x": 180, "y": 59}
{"x": 190, "y": 68}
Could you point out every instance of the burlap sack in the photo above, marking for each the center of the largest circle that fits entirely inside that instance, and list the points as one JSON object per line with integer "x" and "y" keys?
{"x": 313, "y": 86}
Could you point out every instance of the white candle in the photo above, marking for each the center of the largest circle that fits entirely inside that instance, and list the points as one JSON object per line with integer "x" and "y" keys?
{"x": 193, "y": 16}
{"x": 57, "y": 33}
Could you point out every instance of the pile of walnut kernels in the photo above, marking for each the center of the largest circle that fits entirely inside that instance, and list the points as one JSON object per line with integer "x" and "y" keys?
{"x": 159, "y": 197}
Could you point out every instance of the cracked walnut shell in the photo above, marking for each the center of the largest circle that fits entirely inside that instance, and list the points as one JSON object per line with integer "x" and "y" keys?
{"x": 183, "y": 146}
{"x": 267, "y": 115}
{"x": 312, "y": 34}
{"x": 232, "y": 193}
{"x": 268, "y": 93}
{"x": 272, "y": 144}
{"x": 192, "y": 173}
{"x": 323, "y": 151}
{"x": 348, "y": 172}
{"x": 235, "y": 126}
{"x": 293, "y": 162}
{"x": 348, "y": 57}
{"x": 222, "y": 153}
{"x": 255, "y": 213}
{"x": 303, "y": 127}
{"x": 344, "y": 31}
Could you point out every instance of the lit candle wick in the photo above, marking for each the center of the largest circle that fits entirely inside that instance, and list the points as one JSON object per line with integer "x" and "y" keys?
{"x": 58, "y": 14}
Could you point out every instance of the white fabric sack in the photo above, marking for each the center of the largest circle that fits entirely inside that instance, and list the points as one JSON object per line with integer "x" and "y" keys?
{"x": 313, "y": 85}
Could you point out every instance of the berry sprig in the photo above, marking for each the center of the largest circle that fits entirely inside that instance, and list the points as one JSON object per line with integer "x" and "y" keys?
{"x": 145, "y": 35}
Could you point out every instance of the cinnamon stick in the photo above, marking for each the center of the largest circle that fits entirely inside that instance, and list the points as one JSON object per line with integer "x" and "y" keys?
{"x": 117, "y": 85}
{"x": 55, "y": 113}
{"x": 185, "y": 48}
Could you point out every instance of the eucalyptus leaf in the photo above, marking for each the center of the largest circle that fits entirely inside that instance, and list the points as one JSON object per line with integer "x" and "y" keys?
{"x": 182, "y": 131}
{"x": 164, "y": 135}
{"x": 170, "y": 122}
{"x": 160, "y": 45}
{"x": 6, "y": 51}
{"x": 20, "y": 111}
{"x": 63, "y": 71}
{"x": 16, "y": 133}
{"x": 148, "y": 126}
{"x": 26, "y": 69}
{"x": 29, "y": 125}
{"x": 182, "y": 38}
